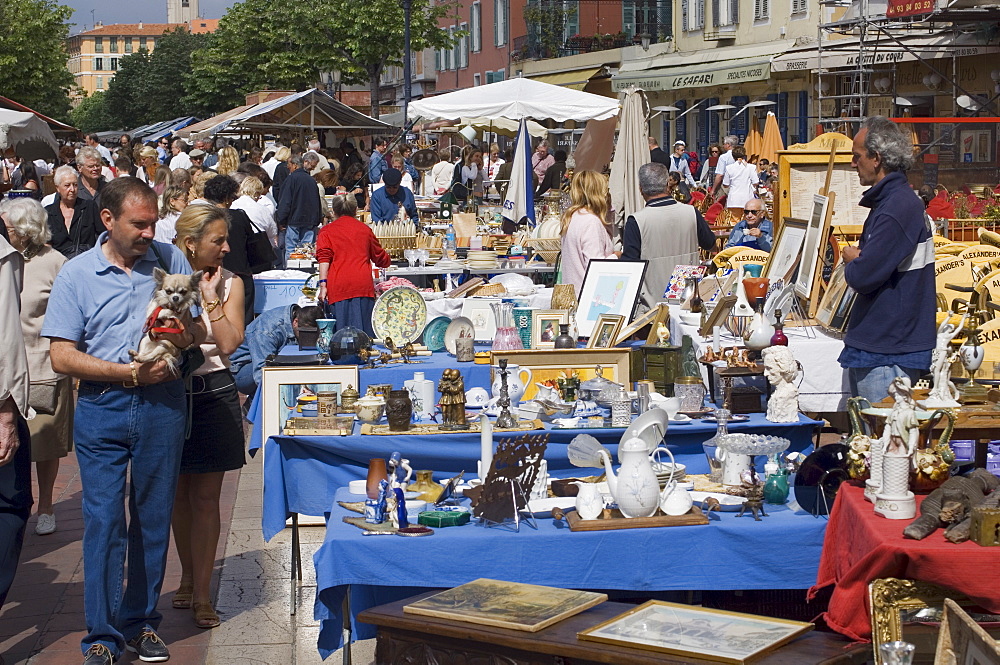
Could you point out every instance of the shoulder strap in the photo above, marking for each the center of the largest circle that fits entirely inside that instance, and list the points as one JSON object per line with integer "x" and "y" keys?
{"x": 159, "y": 257}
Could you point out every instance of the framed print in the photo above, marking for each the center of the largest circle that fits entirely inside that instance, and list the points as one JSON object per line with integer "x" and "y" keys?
{"x": 700, "y": 632}
{"x": 609, "y": 287}
{"x": 605, "y": 331}
{"x": 785, "y": 250}
{"x": 637, "y": 324}
{"x": 545, "y": 327}
{"x": 478, "y": 311}
{"x": 813, "y": 247}
{"x": 546, "y": 364}
{"x": 718, "y": 315}
{"x": 290, "y": 392}
{"x": 963, "y": 641}
{"x": 662, "y": 316}
{"x": 835, "y": 306}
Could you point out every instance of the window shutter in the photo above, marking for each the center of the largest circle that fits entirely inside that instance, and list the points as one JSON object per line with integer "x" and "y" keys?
{"x": 716, "y": 17}
{"x": 685, "y": 16}
{"x": 629, "y": 18}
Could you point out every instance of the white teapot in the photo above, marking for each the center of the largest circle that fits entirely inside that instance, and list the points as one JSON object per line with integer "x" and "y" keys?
{"x": 517, "y": 378}
{"x": 635, "y": 488}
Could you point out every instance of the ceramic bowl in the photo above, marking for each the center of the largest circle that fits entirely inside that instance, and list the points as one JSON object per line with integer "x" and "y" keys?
{"x": 369, "y": 410}
{"x": 476, "y": 398}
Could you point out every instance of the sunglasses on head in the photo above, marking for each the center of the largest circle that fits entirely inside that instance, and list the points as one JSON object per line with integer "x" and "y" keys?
{"x": 747, "y": 211}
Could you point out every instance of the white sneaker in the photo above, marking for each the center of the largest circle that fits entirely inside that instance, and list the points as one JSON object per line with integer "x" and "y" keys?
{"x": 46, "y": 525}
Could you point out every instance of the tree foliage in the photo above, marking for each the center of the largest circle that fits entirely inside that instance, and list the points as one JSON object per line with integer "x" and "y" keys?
{"x": 286, "y": 44}
{"x": 33, "y": 55}
{"x": 91, "y": 115}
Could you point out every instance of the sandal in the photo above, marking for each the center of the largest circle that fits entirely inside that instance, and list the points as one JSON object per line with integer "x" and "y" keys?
{"x": 182, "y": 597}
{"x": 204, "y": 615}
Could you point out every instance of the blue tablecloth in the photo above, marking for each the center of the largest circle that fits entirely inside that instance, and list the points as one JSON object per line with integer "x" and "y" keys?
{"x": 432, "y": 366}
{"x": 302, "y": 473}
{"x": 780, "y": 552}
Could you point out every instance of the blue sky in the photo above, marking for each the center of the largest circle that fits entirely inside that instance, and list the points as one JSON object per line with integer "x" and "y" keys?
{"x": 149, "y": 11}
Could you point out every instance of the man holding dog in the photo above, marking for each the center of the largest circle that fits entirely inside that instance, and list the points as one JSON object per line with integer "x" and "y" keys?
{"x": 130, "y": 420}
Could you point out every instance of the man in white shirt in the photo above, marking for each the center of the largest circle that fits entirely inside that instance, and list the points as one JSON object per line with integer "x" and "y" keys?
{"x": 105, "y": 153}
{"x": 180, "y": 159}
{"x": 725, "y": 160}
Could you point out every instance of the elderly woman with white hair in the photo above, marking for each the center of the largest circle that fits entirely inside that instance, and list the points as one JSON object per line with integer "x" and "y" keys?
{"x": 73, "y": 221}
{"x": 51, "y": 394}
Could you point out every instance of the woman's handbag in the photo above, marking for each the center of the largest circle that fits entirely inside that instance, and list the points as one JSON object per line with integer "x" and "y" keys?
{"x": 42, "y": 397}
{"x": 260, "y": 251}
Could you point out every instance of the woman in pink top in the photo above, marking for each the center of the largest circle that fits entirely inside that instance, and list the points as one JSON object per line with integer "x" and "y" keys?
{"x": 584, "y": 233}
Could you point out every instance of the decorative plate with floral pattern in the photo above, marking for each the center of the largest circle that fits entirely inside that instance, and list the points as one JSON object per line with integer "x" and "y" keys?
{"x": 400, "y": 313}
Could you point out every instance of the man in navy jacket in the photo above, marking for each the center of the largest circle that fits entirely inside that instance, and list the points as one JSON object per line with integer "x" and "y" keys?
{"x": 891, "y": 329}
{"x": 299, "y": 206}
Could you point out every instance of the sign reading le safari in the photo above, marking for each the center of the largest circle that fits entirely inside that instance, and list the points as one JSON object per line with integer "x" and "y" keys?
{"x": 657, "y": 79}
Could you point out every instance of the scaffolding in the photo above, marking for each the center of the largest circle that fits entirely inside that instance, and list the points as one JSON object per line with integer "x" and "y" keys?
{"x": 859, "y": 52}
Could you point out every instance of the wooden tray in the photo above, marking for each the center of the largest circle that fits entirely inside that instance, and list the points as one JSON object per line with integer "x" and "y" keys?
{"x": 618, "y": 521}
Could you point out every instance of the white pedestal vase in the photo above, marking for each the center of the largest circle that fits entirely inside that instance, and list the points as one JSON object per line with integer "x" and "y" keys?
{"x": 894, "y": 500}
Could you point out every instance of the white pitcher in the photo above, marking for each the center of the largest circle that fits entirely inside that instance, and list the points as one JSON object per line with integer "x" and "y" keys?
{"x": 517, "y": 378}
{"x": 589, "y": 502}
{"x": 673, "y": 499}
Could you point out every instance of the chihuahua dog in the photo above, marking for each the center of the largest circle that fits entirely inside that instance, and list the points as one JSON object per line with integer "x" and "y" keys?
{"x": 174, "y": 295}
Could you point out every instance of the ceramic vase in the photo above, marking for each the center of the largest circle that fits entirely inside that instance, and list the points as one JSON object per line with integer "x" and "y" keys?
{"x": 429, "y": 490}
{"x": 775, "y": 485}
{"x": 517, "y": 378}
{"x": 465, "y": 351}
{"x": 422, "y": 395}
{"x": 755, "y": 287}
{"x": 564, "y": 340}
{"x": 758, "y": 335}
{"x": 398, "y": 410}
{"x": 376, "y": 474}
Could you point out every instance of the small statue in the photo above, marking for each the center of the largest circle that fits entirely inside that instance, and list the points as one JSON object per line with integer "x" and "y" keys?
{"x": 662, "y": 334}
{"x": 893, "y": 499}
{"x": 943, "y": 392}
{"x": 781, "y": 369}
{"x": 452, "y": 389}
{"x": 902, "y": 430}
{"x": 753, "y": 490}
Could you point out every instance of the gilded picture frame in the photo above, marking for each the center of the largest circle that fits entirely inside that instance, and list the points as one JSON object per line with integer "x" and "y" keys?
{"x": 541, "y": 321}
{"x": 605, "y": 331}
{"x": 546, "y": 364}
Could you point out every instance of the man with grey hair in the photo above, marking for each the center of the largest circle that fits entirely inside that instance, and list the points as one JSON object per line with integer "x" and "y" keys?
{"x": 74, "y": 221}
{"x": 180, "y": 160}
{"x": 299, "y": 210}
{"x": 665, "y": 233}
{"x": 728, "y": 143}
{"x": 88, "y": 160}
{"x": 891, "y": 330}
{"x": 93, "y": 142}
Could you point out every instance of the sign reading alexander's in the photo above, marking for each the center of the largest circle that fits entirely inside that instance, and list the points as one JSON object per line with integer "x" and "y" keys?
{"x": 897, "y": 8}
{"x": 670, "y": 79}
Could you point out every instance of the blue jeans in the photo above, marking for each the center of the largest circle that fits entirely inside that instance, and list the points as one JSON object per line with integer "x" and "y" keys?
{"x": 873, "y": 382}
{"x": 244, "y": 379}
{"x": 116, "y": 428}
{"x": 295, "y": 236}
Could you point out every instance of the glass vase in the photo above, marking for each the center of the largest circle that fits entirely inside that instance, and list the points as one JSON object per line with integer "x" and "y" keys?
{"x": 506, "y": 337}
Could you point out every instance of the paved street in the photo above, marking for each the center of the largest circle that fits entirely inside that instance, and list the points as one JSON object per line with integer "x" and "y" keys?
{"x": 42, "y": 622}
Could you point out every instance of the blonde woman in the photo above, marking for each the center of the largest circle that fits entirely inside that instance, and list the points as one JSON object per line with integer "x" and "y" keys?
{"x": 51, "y": 394}
{"x": 251, "y": 193}
{"x": 175, "y": 199}
{"x": 229, "y": 161}
{"x": 148, "y": 165}
{"x": 215, "y": 444}
{"x": 585, "y": 234}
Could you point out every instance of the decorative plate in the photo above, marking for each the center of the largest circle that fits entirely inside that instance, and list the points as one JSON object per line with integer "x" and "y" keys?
{"x": 434, "y": 333}
{"x": 400, "y": 313}
{"x": 459, "y": 327}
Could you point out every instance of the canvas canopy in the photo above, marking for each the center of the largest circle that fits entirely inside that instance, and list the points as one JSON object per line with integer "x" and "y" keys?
{"x": 29, "y": 136}
{"x": 515, "y": 99}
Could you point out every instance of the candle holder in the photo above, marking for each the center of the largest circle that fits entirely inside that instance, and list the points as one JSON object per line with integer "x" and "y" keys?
{"x": 505, "y": 420}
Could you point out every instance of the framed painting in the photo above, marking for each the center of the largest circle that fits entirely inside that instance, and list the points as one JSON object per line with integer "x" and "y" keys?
{"x": 546, "y": 364}
{"x": 963, "y": 641}
{"x": 545, "y": 327}
{"x": 835, "y": 306}
{"x": 609, "y": 287}
{"x": 785, "y": 250}
{"x": 637, "y": 324}
{"x": 699, "y": 632}
{"x": 605, "y": 331}
{"x": 813, "y": 247}
{"x": 478, "y": 311}
{"x": 718, "y": 315}
{"x": 290, "y": 392}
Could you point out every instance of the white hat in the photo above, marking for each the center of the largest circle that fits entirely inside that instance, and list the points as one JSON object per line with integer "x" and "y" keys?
{"x": 679, "y": 142}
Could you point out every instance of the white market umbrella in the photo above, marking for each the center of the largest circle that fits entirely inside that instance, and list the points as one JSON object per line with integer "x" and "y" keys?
{"x": 631, "y": 152}
{"x": 515, "y": 99}
{"x": 520, "y": 200}
{"x": 29, "y": 136}
{"x": 503, "y": 126}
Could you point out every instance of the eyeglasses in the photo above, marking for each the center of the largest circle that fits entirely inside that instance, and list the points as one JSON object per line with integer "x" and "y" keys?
{"x": 713, "y": 152}
{"x": 746, "y": 211}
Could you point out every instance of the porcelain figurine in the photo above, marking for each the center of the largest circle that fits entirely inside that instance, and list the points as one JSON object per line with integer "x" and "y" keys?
{"x": 662, "y": 334}
{"x": 782, "y": 370}
{"x": 943, "y": 393}
{"x": 635, "y": 488}
{"x": 894, "y": 500}
{"x": 589, "y": 502}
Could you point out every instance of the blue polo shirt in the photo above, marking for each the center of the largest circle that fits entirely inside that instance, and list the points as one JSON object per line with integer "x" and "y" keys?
{"x": 100, "y": 306}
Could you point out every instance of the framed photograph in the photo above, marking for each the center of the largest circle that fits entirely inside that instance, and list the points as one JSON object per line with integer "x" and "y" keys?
{"x": 688, "y": 630}
{"x": 718, "y": 315}
{"x": 963, "y": 641}
{"x": 513, "y": 605}
{"x": 785, "y": 250}
{"x": 554, "y": 364}
{"x": 478, "y": 311}
{"x": 835, "y": 306}
{"x": 813, "y": 247}
{"x": 662, "y": 316}
{"x": 637, "y": 324}
{"x": 290, "y": 392}
{"x": 605, "y": 331}
{"x": 609, "y": 287}
{"x": 545, "y": 327}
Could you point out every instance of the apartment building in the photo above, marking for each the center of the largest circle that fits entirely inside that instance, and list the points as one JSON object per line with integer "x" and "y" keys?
{"x": 94, "y": 54}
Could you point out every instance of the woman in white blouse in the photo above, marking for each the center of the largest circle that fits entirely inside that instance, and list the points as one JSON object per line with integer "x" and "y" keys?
{"x": 741, "y": 178}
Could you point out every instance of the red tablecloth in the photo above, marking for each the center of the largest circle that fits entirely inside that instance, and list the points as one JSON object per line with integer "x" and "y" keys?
{"x": 860, "y": 546}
